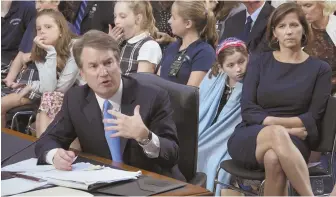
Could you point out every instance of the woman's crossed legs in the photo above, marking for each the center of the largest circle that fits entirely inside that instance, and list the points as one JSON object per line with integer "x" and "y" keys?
{"x": 282, "y": 159}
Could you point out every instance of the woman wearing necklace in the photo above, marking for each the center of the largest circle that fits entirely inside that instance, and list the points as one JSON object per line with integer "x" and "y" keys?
{"x": 219, "y": 113}
{"x": 323, "y": 46}
{"x": 323, "y": 23}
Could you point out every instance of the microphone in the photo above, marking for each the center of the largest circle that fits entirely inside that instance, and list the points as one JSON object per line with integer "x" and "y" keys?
{"x": 45, "y": 134}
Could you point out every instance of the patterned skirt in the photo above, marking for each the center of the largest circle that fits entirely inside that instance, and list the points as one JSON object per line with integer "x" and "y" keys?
{"x": 26, "y": 76}
{"x": 51, "y": 103}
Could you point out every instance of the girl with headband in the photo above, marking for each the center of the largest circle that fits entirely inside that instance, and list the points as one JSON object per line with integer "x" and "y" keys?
{"x": 219, "y": 112}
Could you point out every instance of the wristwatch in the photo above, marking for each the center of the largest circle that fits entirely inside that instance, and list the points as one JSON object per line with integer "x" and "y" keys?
{"x": 147, "y": 140}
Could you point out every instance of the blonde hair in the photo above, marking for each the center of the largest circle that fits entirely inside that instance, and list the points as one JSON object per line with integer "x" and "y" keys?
{"x": 144, "y": 8}
{"x": 329, "y": 7}
{"x": 203, "y": 19}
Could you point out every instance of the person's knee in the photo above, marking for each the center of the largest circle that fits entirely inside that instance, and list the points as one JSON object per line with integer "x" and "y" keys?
{"x": 10, "y": 101}
{"x": 279, "y": 136}
{"x": 271, "y": 160}
{"x": 4, "y": 108}
{"x": 272, "y": 164}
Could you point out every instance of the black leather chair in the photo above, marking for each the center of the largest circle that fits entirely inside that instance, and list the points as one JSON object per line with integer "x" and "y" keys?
{"x": 327, "y": 145}
{"x": 185, "y": 102}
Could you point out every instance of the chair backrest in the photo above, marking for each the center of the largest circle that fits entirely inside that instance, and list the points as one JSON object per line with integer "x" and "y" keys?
{"x": 185, "y": 101}
{"x": 328, "y": 127}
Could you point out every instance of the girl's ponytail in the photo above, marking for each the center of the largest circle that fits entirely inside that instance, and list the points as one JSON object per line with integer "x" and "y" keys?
{"x": 209, "y": 33}
{"x": 204, "y": 20}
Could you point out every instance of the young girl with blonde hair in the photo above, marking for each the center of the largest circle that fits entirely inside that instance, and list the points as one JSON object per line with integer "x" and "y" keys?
{"x": 135, "y": 24}
{"x": 187, "y": 60}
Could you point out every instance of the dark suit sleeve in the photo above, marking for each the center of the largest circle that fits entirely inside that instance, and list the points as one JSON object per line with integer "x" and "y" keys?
{"x": 227, "y": 29}
{"x": 59, "y": 134}
{"x": 263, "y": 45}
{"x": 104, "y": 16}
{"x": 163, "y": 126}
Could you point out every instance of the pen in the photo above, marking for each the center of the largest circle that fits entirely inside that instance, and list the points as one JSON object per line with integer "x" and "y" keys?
{"x": 27, "y": 177}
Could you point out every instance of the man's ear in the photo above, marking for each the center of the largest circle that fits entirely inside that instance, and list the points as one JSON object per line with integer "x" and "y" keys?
{"x": 81, "y": 73}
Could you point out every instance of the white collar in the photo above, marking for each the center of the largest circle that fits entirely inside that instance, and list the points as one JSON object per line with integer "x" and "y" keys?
{"x": 255, "y": 14}
{"x": 137, "y": 38}
{"x": 115, "y": 100}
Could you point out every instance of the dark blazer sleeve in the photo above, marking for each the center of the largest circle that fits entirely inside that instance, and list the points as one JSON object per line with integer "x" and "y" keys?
{"x": 163, "y": 126}
{"x": 59, "y": 134}
{"x": 263, "y": 45}
{"x": 234, "y": 25}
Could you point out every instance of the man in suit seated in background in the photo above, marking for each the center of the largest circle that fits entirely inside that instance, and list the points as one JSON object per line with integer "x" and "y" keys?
{"x": 92, "y": 15}
{"x": 106, "y": 116}
{"x": 250, "y": 25}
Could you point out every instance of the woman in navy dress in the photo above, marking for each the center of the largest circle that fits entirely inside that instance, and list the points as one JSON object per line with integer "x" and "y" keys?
{"x": 283, "y": 100}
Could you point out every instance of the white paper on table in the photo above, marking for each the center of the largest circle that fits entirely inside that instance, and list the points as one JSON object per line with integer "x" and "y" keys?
{"x": 56, "y": 191}
{"x": 19, "y": 185}
{"x": 29, "y": 165}
{"x": 85, "y": 167}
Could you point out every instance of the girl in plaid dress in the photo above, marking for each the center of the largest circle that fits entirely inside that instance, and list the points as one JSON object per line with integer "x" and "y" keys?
{"x": 135, "y": 30}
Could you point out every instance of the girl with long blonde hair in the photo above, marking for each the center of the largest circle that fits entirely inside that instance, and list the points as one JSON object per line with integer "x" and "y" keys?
{"x": 135, "y": 26}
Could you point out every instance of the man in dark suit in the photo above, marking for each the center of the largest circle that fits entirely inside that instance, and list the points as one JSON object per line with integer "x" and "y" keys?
{"x": 142, "y": 137}
{"x": 93, "y": 15}
{"x": 250, "y": 25}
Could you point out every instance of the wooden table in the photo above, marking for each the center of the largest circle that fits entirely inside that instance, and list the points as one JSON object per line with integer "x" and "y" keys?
{"x": 188, "y": 190}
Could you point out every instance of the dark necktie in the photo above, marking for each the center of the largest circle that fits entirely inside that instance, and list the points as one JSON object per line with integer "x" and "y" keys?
{"x": 247, "y": 29}
{"x": 80, "y": 16}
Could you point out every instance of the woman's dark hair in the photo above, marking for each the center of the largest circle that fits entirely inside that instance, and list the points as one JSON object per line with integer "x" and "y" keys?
{"x": 67, "y": 9}
{"x": 224, "y": 8}
{"x": 278, "y": 14}
{"x": 221, "y": 57}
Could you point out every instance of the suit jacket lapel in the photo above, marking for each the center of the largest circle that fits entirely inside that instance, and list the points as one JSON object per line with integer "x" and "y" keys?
{"x": 91, "y": 108}
{"x": 93, "y": 113}
{"x": 94, "y": 118}
{"x": 241, "y": 19}
{"x": 260, "y": 23}
{"x": 127, "y": 103}
{"x": 234, "y": 26}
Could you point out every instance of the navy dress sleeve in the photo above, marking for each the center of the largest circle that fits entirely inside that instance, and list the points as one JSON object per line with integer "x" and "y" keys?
{"x": 311, "y": 119}
{"x": 252, "y": 113}
{"x": 30, "y": 13}
{"x": 26, "y": 44}
{"x": 204, "y": 59}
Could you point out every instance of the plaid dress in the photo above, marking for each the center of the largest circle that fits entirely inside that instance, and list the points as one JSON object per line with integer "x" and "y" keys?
{"x": 129, "y": 56}
{"x": 26, "y": 76}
